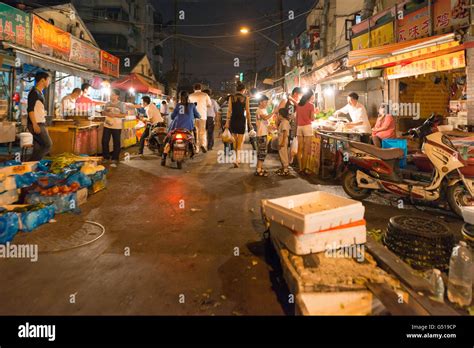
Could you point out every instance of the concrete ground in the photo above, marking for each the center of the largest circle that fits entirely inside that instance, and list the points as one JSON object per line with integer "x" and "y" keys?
{"x": 195, "y": 242}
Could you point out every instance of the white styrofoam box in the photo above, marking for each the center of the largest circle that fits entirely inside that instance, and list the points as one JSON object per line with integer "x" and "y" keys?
{"x": 334, "y": 303}
{"x": 20, "y": 169}
{"x": 468, "y": 214}
{"x": 7, "y": 183}
{"x": 7, "y": 132}
{"x": 9, "y": 197}
{"x": 312, "y": 212}
{"x": 309, "y": 243}
{"x": 81, "y": 196}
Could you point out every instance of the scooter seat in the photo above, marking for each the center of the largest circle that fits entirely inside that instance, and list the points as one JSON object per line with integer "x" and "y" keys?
{"x": 384, "y": 154}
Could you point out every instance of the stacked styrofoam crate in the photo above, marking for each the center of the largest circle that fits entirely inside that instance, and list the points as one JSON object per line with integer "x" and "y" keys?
{"x": 315, "y": 222}
{"x": 9, "y": 193}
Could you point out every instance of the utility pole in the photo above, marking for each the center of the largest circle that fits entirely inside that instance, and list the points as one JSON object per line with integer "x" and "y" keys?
{"x": 175, "y": 41}
{"x": 255, "y": 60}
{"x": 282, "y": 41}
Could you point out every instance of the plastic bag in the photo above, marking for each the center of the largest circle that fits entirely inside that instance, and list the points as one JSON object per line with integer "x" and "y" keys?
{"x": 252, "y": 133}
{"x": 8, "y": 227}
{"x": 227, "y": 136}
{"x": 293, "y": 149}
{"x": 82, "y": 179}
{"x": 294, "y": 146}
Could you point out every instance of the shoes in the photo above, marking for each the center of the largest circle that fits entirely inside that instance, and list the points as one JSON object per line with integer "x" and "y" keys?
{"x": 113, "y": 165}
{"x": 203, "y": 149}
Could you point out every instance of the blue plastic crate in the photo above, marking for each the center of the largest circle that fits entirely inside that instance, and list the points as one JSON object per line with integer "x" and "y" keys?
{"x": 397, "y": 143}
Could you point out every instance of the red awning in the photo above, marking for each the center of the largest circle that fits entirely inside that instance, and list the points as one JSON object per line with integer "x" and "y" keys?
{"x": 138, "y": 83}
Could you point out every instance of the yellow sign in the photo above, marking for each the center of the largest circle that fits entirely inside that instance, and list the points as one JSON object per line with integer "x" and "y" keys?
{"x": 450, "y": 61}
{"x": 409, "y": 55}
{"x": 380, "y": 36}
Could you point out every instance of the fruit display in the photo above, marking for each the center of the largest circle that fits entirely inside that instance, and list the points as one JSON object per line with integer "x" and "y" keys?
{"x": 57, "y": 190}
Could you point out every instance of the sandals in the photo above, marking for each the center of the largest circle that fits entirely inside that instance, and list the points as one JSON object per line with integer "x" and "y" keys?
{"x": 261, "y": 173}
{"x": 282, "y": 172}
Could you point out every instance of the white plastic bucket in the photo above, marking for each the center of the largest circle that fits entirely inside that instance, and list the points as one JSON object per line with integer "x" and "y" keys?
{"x": 26, "y": 139}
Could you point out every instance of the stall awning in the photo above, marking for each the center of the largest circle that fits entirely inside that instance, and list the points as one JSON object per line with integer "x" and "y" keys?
{"x": 403, "y": 52}
{"x": 138, "y": 83}
{"x": 49, "y": 63}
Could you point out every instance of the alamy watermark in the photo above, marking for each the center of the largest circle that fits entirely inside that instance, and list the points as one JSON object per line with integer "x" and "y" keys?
{"x": 243, "y": 156}
{"x": 20, "y": 251}
{"x": 402, "y": 109}
{"x": 337, "y": 251}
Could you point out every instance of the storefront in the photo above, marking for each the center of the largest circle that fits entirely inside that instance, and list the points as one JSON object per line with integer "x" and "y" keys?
{"x": 38, "y": 45}
{"x": 421, "y": 77}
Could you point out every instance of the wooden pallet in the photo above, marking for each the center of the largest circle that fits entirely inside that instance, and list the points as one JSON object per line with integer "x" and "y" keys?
{"x": 321, "y": 299}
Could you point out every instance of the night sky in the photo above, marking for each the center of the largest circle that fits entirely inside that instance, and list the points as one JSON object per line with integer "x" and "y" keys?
{"x": 203, "y": 59}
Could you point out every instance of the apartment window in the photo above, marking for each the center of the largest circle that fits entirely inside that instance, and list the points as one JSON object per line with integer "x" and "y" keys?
{"x": 111, "y": 42}
{"x": 112, "y": 13}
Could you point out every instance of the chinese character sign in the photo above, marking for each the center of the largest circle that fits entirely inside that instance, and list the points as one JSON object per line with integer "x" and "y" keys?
{"x": 445, "y": 62}
{"x": 84, "y": 54}
{"x": 50, "y": 40}
{"x": 109, "y": 64}
{"x": 15, "y": 26}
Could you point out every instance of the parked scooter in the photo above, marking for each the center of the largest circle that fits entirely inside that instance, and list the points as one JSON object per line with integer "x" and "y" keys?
{"x": 156, "y": 140}
{"x": 373, "y": 169}
{"x": 180, "y": 146}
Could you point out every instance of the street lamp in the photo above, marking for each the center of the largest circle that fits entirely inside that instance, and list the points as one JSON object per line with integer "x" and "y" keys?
{"x": 245, "y": 31}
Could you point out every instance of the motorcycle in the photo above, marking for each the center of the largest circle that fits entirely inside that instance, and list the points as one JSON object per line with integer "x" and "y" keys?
{"x": 180, "y": 146}
{"x": 156, "y": 139}
{"x": 374, "y": 169}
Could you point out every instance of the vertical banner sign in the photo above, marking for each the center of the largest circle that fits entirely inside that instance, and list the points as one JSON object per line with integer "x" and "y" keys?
{"x": 50, "y": 40}
{"x": 15, "y": 26}
{"x": 84, "y": 54}
{"x": 109, "y": 64}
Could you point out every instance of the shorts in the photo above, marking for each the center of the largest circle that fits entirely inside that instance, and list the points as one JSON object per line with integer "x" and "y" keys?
{"x": 305, "y": 131}
{"x": 261, "y": 148}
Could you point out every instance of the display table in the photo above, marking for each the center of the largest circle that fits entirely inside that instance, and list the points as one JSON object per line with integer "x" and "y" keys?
{"x": 74, "y": 139}
{"x": 330, "y": 156}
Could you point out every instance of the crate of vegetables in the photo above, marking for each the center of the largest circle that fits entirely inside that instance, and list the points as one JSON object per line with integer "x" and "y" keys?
{"x": 31, "y": 216}
{"x": 8, "y": 226}
{"x": 63, "y": 197}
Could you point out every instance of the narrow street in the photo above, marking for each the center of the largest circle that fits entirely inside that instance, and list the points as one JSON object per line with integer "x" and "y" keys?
{"x": 180, "y": 229}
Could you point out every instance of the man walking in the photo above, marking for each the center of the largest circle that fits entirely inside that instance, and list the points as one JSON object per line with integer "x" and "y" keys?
{"x": 212, "y": 112}
{"x": 115, "y": 111}
{"x": 153, "y": 116}
{"x": 37, "y": 117}
{"x": 203, "y": 101}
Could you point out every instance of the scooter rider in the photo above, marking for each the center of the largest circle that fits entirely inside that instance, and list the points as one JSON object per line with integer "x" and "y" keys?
{"x": 153, "y": 116}
{"x": 183, "y": 117}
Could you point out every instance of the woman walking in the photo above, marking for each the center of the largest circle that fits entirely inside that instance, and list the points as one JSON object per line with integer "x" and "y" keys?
{"x": 305, "y": 111}
{"x": 237, "y": 114}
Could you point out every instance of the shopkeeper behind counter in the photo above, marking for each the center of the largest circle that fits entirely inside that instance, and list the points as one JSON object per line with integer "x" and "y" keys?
{"x": 85, "y": 104}
{"x": 358, "y": 114}
{"x": 68, "y": 103}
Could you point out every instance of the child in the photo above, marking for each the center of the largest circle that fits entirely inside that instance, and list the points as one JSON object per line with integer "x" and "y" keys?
{"x": 283, "y": 134}
{"x": 262, "y": 133}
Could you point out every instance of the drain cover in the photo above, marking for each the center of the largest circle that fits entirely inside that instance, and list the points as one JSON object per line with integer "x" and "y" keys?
{"x": 50, "y": 238}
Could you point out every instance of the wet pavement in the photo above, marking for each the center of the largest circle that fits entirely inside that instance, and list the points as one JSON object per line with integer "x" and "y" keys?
{"x": 176, "y": 242}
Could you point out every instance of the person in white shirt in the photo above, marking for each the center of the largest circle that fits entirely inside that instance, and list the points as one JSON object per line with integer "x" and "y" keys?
{"x": 115, "y": 111}
{"x": 212, "y": 112}
{"x": 153, "y": 116}
{"x": 358, "y": 114}
{"x": 203, "y": 101}
{"x": 68, "y": 103}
